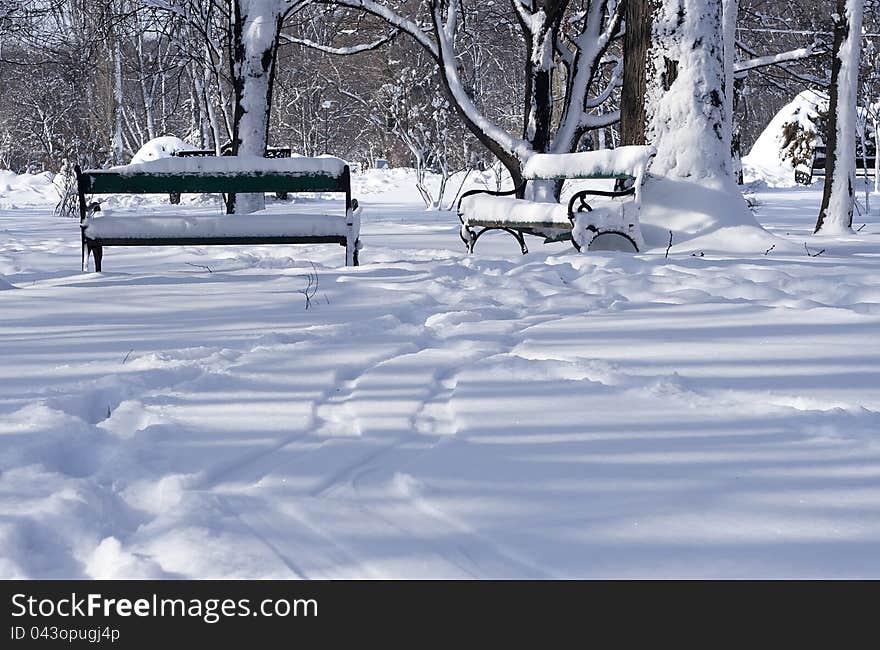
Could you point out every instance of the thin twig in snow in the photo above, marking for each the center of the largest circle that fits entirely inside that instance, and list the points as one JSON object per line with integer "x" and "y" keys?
{"x": 201, "y": 266}
{"x": 859, "y": 229}
{"x": 670, "y": 245}
{"x": 767, "y": 252}
{"x": 312, "y": 287}
{"x": 127, "y": 356}
{"x": 811, "y": 254}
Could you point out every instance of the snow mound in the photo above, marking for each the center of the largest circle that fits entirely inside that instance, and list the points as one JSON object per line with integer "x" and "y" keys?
{"x": 774, "y": 154}
{"x": 709, "y": 215}
{"x": 158, "y": 148}
{"x": 19, "y": 190}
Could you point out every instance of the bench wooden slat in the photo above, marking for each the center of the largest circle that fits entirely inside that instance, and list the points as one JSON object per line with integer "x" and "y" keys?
{"x": 104, "y": 182}
{"x": 220, "y": 240}
{"x": 622, "y": 176}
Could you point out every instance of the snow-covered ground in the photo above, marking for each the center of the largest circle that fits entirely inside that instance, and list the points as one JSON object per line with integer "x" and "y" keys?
{"x": 429, "y": 414}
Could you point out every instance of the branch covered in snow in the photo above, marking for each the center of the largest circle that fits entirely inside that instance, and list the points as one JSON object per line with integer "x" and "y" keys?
{"x": 341, "y": 51}
{"x": 817, "y": 48}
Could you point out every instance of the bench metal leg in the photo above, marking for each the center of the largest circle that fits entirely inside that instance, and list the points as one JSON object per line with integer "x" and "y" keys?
{"x": 468, "y": 236}
{"x": 85, "y": 251}
{"x": 351, "y": 252}
{"x": 520, "y": 238}
{"x": 98, "y": 254}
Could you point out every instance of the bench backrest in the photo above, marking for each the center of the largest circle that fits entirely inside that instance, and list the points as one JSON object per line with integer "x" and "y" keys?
{"x": 225, "y": 175}
{"x": 271, "y": 152}
{"x": 625, "y": 163}
{"x": 111, "y": 182}
{"x": 219, "y": 174}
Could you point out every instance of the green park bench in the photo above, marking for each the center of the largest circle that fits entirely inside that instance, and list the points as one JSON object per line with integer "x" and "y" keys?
{"x": 220, "y": 175}
{"x": 591, "y": 219}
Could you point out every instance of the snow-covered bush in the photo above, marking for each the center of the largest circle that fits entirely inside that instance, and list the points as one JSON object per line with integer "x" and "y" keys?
{"x": 163, "y": 147}
{"x": 788, "y": 140}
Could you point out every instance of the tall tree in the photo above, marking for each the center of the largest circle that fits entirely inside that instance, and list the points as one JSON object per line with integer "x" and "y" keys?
{"x": 686, "y": 89}
{"x": 836, "y": 213}
{"x": 635, "y": 62}
{"x": 689, "y": 121}
{"x": 563, "y": 81}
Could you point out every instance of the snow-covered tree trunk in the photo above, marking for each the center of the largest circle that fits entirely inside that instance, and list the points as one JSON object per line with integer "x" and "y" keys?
{"x": 836, "y": 213}
{"x": 147, "y": 94}
{"x": 117, "y": 142}
{"x": 686, "y": 101}
{"x": 876, "y": 122}
{"x": 540, "y": 23}
{"x": 255, "y": 28}
{"x": 730, "y": 12}
{"x": 688, "y": 111}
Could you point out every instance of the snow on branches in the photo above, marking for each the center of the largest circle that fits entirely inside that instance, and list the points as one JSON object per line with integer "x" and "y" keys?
{"x": 564, "y": 48}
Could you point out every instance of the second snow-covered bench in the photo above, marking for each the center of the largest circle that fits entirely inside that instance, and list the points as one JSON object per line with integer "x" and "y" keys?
{"x": 223, "y": 175}
{"x": 591, "y": 219}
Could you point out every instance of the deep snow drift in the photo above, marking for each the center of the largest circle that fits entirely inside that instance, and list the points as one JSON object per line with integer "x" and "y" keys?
{"x": 190, "y": 413}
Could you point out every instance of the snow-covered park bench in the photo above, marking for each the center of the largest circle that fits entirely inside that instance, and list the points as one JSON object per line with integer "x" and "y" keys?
{"x": 805, "y": 173}
{"x": 592, "y": 219}
{"x": 249, "y": 174}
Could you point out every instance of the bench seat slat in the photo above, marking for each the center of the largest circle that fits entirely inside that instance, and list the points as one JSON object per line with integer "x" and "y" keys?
{"x": 225, "y": 240}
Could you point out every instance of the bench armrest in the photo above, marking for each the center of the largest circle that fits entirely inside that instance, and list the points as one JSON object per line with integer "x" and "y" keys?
{"x": 515, "y": 191}
{"x": 583, "y": 194}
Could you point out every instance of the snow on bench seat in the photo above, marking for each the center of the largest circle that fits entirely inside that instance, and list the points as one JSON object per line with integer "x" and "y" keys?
{"x": 221, "y": 227}
{"x": 623, "y": 162}
{"x": 508, "y": 211}
{"x": 235, "y": 166}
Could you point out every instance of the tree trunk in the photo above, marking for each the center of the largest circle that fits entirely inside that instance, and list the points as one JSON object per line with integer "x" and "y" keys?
{"x": 836, "y": 213}
{"x": 740, "y": 108}
{"x": 730, "y": 10}
{"x": 255, "y": 28}
{"x": 876, "y": 153}
{"x": 686, "y": 103}
{"x": 692, "y": 189}
{"x": 635, "y": 63}
{"x": 118, "y": 103}
{"x": 541, "y": 34}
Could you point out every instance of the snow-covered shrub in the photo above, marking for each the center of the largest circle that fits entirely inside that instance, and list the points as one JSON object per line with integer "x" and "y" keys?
{"x": 161, "y": 147}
